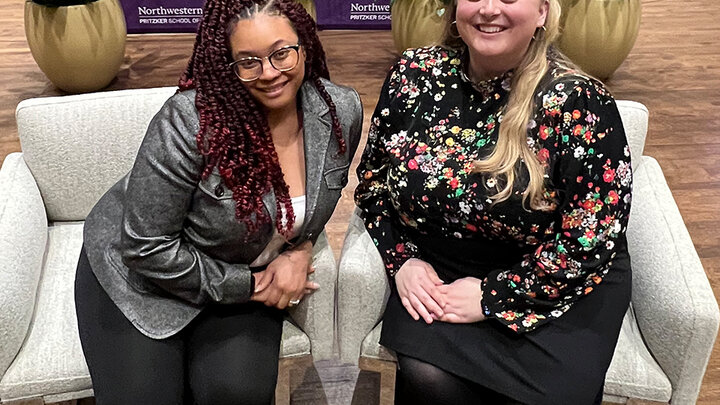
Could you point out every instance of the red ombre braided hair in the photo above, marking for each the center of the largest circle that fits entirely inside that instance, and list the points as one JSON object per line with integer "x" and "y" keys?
{"x": 234, "y": 133}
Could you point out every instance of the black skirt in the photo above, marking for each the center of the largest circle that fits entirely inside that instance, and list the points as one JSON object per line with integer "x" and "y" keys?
{"x": 561, "y": 362}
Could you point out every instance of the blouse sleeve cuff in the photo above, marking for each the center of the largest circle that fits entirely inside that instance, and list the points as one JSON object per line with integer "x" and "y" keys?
{"x": 494, "y": 294}
{"x": 398, "y": 255}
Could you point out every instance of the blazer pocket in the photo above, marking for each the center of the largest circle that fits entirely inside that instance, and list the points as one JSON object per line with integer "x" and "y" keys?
{"x": 337, "y": 177}
{"x": 215, "y": 188}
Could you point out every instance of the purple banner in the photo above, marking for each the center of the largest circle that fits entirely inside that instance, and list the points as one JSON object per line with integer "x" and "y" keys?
{"x": 166, "y": 16}
{"x": 157, "y": 16}
{"x": 353, "y": 14}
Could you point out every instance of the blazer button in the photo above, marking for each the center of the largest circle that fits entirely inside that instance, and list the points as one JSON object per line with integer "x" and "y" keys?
{"x": 219, "y": 191}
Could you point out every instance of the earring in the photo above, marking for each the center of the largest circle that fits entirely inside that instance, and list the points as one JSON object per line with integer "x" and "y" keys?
{"x": 536, "y": 30}
{"x": 454, "y": 24}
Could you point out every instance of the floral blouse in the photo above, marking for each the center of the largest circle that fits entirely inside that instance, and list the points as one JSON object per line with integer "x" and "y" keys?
{"x": 429, "y": 126}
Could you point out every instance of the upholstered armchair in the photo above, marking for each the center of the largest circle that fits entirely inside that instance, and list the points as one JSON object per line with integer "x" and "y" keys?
{"x": 73, "y": 149}
{"x": 668, "y": 331}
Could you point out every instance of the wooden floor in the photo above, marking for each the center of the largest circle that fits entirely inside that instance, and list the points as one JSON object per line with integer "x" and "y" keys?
{"x": 674, "y": 69}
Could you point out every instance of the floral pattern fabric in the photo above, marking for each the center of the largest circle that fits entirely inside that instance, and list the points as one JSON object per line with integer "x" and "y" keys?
{"x": 432, "y": 122}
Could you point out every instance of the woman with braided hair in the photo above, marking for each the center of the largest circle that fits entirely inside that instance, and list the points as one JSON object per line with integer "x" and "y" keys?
{"x": 190, "y": 260}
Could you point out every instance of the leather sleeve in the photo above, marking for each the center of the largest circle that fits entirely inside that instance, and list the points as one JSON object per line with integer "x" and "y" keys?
{"x": 159, "y": 194}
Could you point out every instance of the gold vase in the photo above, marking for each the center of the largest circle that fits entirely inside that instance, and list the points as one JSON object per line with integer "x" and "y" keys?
{"x": 599, "y": 34}
{"x": 417, "y": 23}
{"x": 79, "y": 48}
{"x": 309, "y": 7}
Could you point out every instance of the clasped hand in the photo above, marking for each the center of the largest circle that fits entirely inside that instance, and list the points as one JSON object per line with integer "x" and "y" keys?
{"x": 423, "y": 294}
{"x": 286, "y": 278}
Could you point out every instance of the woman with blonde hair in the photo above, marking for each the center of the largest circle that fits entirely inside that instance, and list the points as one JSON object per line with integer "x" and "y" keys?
{"x": 496, "y": 184}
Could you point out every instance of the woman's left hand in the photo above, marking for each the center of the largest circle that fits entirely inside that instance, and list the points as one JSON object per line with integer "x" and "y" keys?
{"x": 462, "y": 301}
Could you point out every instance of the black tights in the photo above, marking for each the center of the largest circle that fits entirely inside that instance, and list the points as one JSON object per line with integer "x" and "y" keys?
{"x": 422, "y": 383}
{"x": 227, "y": 355}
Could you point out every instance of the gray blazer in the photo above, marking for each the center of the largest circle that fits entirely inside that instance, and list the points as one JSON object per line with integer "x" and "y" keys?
{"x": 163, "y": 242}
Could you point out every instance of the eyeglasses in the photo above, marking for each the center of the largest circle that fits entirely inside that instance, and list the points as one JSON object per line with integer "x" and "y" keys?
{"x": 251, "y": 68}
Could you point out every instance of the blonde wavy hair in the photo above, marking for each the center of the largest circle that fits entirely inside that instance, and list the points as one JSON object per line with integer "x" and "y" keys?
{"x": 512, "y": 145}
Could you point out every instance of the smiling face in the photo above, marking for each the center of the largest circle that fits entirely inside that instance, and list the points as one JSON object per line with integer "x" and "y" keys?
{"x": 498, "y": 32}
{"x": 259, "y": 37}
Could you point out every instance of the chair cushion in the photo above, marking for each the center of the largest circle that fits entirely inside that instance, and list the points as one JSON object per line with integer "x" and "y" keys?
{"x": 294, "y": 341}
{"x": 51, "y": 363}
{"x": 632, "y": 374}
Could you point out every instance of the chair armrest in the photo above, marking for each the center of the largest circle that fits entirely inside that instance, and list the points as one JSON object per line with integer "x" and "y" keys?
{"x": 363, "y": 289}
{"x": 674, "y": 304}
{"x": 316, "y": 312}
{"x": 23, "y": 236}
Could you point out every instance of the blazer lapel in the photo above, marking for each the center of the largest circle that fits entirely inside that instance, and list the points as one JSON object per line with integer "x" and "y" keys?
{"x": 317, "y": 129}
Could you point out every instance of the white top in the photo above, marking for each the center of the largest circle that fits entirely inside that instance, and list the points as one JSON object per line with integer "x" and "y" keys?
{"x": 272, "y": 250}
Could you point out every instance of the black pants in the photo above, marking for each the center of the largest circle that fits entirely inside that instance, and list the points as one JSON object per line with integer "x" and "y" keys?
{"x": 227, "y": 355}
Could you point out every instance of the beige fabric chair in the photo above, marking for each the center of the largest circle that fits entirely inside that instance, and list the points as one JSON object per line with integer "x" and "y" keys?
{"x": 73, "y": 149}
{"x": 667, "y": 334}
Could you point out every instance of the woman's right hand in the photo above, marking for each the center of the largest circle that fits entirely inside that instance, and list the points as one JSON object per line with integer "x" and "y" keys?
{"x": 271, "y": 295}
{"x": 285, "y": 278}
{"x": 417, "y": 284}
